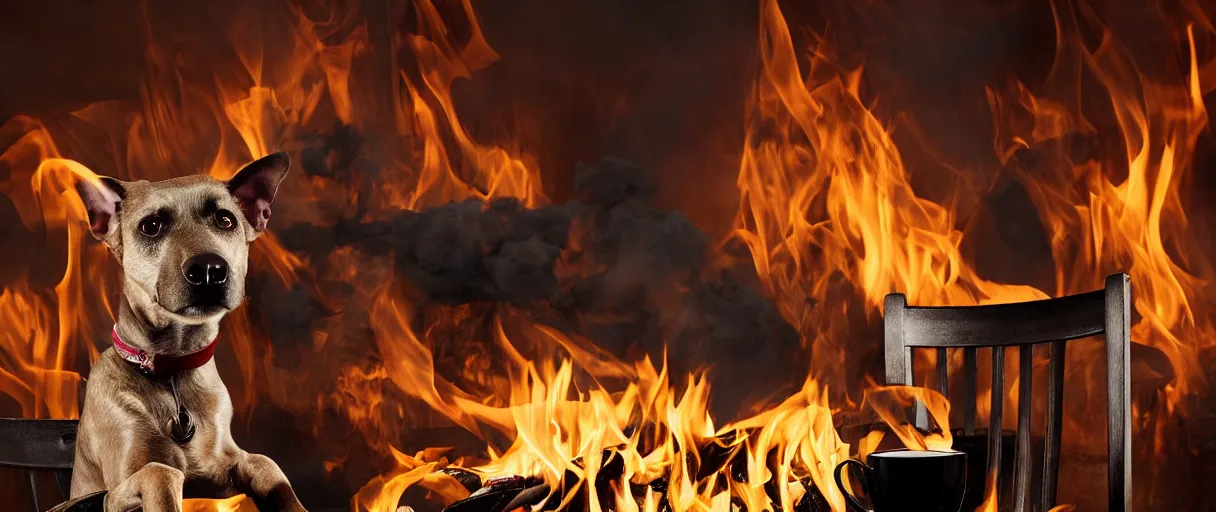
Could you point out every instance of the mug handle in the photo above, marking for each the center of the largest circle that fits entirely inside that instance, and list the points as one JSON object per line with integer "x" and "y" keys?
{"x": 865, "y": 480}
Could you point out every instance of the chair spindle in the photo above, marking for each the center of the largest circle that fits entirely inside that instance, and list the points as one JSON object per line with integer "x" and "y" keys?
{"x": 1021, "y": 477}
{"x": 997, "y": 403}
{"x": 1055, "y": 421}
{"x": 943, "y": 372}
{"x": 33, "y": 478}
{"x": 971, "y": 371}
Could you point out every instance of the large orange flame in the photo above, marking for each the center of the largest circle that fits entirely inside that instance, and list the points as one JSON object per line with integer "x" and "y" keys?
{"x": 563, "y": 434}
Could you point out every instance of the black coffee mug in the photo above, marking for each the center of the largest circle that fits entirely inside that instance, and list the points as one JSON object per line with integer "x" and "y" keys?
{"x": 910, "y": 481}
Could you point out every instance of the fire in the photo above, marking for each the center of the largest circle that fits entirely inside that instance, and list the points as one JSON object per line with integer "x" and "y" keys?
{"x": 829, "y": 196}
{"x": 887, "y": 400}
{"x": 568, "y": 437}
{"x": 33, "y": 376}
{"x": 238, "y": 503}
{"x": 1137, "y": 222}
{"x": 827, "y": 214}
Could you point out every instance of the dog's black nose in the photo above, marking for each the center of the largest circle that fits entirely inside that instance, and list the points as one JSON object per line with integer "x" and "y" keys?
{"x": 205, "y": 269}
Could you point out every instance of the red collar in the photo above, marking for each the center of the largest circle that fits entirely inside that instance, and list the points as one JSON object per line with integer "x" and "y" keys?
{"x": 162, "y": 364}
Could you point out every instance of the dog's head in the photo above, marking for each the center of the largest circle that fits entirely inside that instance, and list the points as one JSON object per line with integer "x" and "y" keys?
{"x": 184, "y": 243}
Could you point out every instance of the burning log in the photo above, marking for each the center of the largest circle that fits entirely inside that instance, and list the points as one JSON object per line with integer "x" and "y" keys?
{"x": 717, "y": 453}
{"x": 813, "y": 500}
{"x": 513, "y": 492}
{"x": 659, "y": 486}
{"x": 494, "y": 496}
{"x": 467, "y": 478}
{"x": 529, "y": 497}
{"x": 574, "y": 489}
{"x": 721, "y": 456}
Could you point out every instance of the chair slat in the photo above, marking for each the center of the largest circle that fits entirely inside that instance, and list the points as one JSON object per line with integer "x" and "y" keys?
{"x": 1065, "y": 318}
{"x": 33, "y": 479}
{"x": 970, "y": 374}
{"x": 922, "y": 414}
{"x": 1021, "y": 477}
{"x": 943, "y": 386}
{"x": 996, "y": 404}
{"x": 943, "y": 372}
{"x": 1055, "y": 422}
{"x": 63, "y": 479}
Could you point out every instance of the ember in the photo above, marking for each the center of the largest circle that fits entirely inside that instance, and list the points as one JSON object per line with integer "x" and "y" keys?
{"x": 636, "y": 260}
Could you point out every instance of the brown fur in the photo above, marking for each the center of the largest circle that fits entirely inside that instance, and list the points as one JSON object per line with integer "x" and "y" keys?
{"x": 123, "y": 443}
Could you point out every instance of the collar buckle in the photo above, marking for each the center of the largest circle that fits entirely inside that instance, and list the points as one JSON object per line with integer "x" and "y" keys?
{"x": 145, "y": 362}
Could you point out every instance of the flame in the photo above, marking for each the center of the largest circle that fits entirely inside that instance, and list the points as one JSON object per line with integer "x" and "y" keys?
{"x": 34, "y": 376}
{"x": 831, "y": 157}
{"x": 1137, "y": 223}
{"x": 886, "y": 400}
{"x": 563, "y": 434}
{"x": 238, "y": 503}
{"x": 567, "y": 437}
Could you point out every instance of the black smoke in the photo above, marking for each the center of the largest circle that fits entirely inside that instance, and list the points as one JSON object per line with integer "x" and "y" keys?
{"x": 609, "y": 266}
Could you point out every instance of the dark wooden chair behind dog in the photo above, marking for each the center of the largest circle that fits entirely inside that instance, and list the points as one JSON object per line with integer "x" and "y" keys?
{"x": 35, "y": 446}
{"x": 1024, "y": 325}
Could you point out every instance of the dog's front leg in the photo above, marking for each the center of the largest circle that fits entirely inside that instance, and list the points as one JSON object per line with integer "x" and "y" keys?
{"x": 261, "y": 479}
{"x": 155, "y": 487}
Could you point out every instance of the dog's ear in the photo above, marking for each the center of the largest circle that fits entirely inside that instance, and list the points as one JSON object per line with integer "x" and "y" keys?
{"x": 102, "y": 197}
{"x": 254, "y": 187}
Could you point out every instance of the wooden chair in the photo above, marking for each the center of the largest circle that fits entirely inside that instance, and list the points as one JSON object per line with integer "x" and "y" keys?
{"x": 39, "y": 445}
{"x": 1025, "y": 324}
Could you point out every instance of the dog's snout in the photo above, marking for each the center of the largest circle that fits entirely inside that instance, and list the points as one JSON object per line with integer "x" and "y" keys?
{"x": 208, "y": 285}
{"x": 205, "y": 270}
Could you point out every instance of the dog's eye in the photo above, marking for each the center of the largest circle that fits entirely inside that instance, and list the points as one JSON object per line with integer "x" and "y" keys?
{"x": 225, "y": 220}
{"x": 152, "y": 226}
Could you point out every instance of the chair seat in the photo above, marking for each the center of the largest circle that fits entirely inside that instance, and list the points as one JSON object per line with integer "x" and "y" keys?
{"x": 93, "y": 502}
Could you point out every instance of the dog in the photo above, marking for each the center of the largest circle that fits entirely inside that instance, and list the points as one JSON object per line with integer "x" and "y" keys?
{"x": 157, "y": 419}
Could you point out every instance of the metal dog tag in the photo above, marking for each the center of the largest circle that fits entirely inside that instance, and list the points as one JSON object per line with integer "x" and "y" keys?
{"x": 182, "y": 428}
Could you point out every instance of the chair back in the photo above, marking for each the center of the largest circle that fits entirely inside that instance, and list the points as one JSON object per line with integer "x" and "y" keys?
{"x": 1024, "y": 325}
{"x": 33, "y": 445}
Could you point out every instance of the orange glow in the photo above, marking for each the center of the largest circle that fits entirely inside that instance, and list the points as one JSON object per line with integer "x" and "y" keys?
{"x": 649, "y": 425}
{"x": 1136, "y": 222}
{"x": 238, "y": 503}
{"x": 886, "y": 400}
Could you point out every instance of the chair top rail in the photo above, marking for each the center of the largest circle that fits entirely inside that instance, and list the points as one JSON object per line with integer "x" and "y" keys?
{"x": 1020, "y": 323}
{"x": 37, "y": 444}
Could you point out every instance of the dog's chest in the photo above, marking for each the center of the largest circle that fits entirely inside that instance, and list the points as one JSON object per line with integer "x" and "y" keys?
{"x": 210, "y": 452}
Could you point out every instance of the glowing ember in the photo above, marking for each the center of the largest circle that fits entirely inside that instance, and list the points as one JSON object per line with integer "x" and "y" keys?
{"x": 238, "y": 503}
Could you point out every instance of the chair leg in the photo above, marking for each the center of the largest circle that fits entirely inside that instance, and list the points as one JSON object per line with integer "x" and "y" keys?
{"x": 63, "y": 477}
{"x": 29, "y": 473}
